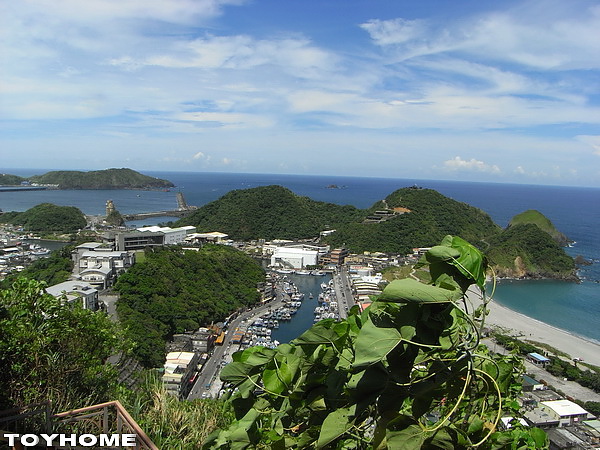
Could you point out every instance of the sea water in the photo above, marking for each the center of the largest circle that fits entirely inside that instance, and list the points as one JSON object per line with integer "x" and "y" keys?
{"x": 574, "y": 211}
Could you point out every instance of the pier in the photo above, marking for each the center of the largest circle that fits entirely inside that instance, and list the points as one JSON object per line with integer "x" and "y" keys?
{"x": 183, "y": 210}
{"x": 148, "y": 215}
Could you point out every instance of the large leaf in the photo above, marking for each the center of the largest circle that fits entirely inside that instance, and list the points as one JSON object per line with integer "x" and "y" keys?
{"x": 471, "y": 262}
{"x": 409, "y": 290}
{"x": 236, "y": 372}
{"x": 374, "y": 343}
{"x": 335, "y": 424}
{"x": 257, "y": 355}
{"x": 441, "y": 253}
{"x": 409, "y": 438}
{"x": 318, "y": 334}
{"x": 278, "y": 378}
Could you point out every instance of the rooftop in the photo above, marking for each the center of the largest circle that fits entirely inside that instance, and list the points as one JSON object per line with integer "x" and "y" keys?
{"x": 565, "y": 408}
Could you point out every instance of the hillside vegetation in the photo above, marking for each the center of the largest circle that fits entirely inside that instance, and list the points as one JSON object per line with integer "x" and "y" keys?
{"x": 10, "y": 180}
{"x": 173, "y": 291}
{"x": 101, "y": 179}
{"x": 432, "y": 217}
{"x": 47, "y": 217}
{"x": 525, "y": 250}
{"x": 542, "y": 222}
{"x": 270, "y": 212}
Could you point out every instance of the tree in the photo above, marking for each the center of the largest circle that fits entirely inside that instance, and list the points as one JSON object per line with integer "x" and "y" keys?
{"x": 52, "y": 351}
{"x": 408, "y": 372}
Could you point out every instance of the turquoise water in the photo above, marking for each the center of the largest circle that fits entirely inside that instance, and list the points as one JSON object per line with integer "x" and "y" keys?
{"x": 570, "y": 306}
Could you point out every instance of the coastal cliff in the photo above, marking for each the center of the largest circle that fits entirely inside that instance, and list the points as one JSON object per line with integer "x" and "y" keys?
{"x": 526, "y": 251}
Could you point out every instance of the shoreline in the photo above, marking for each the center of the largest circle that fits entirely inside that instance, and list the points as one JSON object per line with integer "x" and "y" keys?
{"x": 528, "y": 328}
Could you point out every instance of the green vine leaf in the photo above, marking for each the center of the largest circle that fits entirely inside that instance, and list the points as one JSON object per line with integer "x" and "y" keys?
{"x": 335, "y": 424}
{"x": 408, "y": 290}
{"x": 373, "y": 344}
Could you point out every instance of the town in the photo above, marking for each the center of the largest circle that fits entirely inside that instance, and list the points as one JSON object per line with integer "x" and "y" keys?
{"x": 194, "y": 359}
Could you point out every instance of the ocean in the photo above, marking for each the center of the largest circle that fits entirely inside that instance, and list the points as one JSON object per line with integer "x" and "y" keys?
{"x": 574, "y": 307}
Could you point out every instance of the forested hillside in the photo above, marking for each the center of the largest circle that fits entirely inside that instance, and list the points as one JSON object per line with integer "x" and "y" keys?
{"x": 101, "y": 179}
{"x": 414, "y": 217}
{"x": 542, "y": 222}
{"x": 47, "y": 217}
{"x": 270, "y": 212}
{"x": 432, "y": 216}
{"x": 10, "y": 180}
{"x": 527, "y": 251}
{"x": 173, "y": 291}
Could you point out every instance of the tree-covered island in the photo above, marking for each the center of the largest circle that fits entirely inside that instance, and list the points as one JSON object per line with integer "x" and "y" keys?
{"x": 97, "y": 179}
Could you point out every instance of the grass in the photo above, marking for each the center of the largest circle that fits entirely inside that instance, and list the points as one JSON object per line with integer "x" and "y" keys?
{"x": 397, "y": 273}
{"x": 549, "y": 348}
{"x": 172, "y": 423}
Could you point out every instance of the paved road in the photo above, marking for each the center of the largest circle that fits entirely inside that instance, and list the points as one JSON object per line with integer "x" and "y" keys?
{"x": 208, "y": 383}
{"x": 343, "y": 291}
{"x": 570, "y": 388}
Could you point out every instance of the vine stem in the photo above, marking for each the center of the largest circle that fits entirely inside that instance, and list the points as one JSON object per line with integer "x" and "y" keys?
{"x": 458, "y": 401}
{"x": 499, "y": 413}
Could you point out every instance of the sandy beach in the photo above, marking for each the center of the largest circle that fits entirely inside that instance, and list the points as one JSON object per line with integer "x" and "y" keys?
{"x": 532, "y": 329}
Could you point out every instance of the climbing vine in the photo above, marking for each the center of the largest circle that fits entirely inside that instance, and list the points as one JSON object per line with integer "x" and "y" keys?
{"x": 408, "y": 372}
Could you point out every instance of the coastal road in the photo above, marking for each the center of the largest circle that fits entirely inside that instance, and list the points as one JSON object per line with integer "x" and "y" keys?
{"x": 343, "y": 290}
{"x": 570, "y": 388}
{"x": 208, "y": 384}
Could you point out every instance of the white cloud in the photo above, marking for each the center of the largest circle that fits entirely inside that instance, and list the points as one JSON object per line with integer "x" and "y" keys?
{"x": 198, "y": 155}
{"x": 545, "y": 35}
{"x": 592, "y": 141}
{"x": 457, "y": 163}
{"x": 395, "y": 31}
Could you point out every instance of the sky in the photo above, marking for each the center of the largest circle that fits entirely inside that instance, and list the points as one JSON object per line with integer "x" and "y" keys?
{"x": 475, "y": 90}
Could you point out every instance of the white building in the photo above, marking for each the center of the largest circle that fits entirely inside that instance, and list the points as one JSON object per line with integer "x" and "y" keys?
{"x": 172, "y": 235}
{"x": 565, "y": 411}
{"x": 214, "y": 236}
{"x": 76, "y": 292}
{"x": 99, "y": 265}
{"x": 180, "y": 371}
{"x": 295, "y": 257}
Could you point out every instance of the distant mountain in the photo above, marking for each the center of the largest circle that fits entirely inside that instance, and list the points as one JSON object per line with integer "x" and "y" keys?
{"x": 101, "y": 179}
{"x": 421, "y": 218}
{"x": 542, "y": 222}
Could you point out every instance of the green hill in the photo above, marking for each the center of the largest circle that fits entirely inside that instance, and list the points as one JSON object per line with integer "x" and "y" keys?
{"x": 10, "y": 180}
{"x": 270, "y": 212}
{"x": 432, "y": 216}
{"x": 101, "y": 179}
{"x": 542, "y": 222}
{"x": 524, "y": 250}
{"x": 47, "y": 217}
{"x": 407, "y": 218}
{"x": 173, "y": 291}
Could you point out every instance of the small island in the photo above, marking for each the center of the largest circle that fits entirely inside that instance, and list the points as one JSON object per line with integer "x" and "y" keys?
{"x": 97, "y": 179}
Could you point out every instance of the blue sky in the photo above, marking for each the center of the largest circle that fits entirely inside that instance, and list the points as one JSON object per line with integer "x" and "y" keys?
{"x": 434, "y": 89}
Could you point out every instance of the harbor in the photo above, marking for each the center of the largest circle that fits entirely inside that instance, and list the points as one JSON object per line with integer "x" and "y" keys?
{"x": 300, "y": 301}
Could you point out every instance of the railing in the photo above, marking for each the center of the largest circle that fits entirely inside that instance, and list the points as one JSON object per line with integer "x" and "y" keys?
{"x": 38, "y": 415}
{"x": 109, "y": 418}
{"x": 104, "y": 418}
